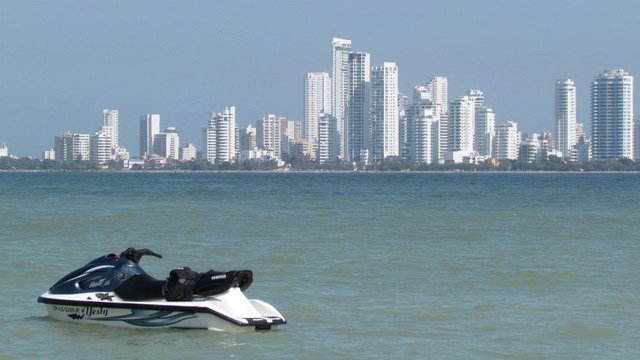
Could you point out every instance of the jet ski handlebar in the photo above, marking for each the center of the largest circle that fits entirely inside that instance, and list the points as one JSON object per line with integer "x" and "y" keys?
{"x": 136, "y": 254}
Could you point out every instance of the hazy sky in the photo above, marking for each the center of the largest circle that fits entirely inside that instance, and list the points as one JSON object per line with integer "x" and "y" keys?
{"x": 62, "y": 62}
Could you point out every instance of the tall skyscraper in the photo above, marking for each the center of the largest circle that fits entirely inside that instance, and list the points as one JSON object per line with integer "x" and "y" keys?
{"x": 110, "y": 125}
{"x": 219, "y": 143}
{"x": 226, "y": 135}
{"x": 423, "y": 123}
{"x": 149, "y": 128}
{"x": 612, "y": 115}
{"x": 565, "y": 111}
{"x": 328, "y": 139}
{"x": 422, "y": 93}
{"x": 101, "y": 145}
{"x": 461, "y": 122}
{"x": 248, "y": 138}
{"x": 485, "y": 131}
{"x": 439, "y": 88}
{"x": 291, "y": 128}
{"x": 507, "y": 141}
{"x": 62, "y": 148}
{"x": 477, "y": 96}
{"x": 384, "y": 120}
{"x": 81, "y": 147}
{"x": 167, "y": 144}
{"x": 531, "y": 149}
{"x": 583, "y": 150}
{"x": 269, "y": 136}
{"x": 72, "y": 147}
{"x": 403, "y": 116}
{"x": 290, "y": 131}
{"x": 340, "y": 86}
{"x": 423, "y": 132}
{"x": 355, "y": 140}
{"x": 317, "y": 100}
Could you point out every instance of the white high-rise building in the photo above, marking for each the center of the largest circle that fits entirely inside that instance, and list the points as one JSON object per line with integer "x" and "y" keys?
{"x": 226, "y": 135}
{"x": 477, "y": 96}
{"x": 531, "y": 148}
{"x": 423, "y": 132}
{"x": 61, "y": 147}
{"x": 403, "y": 116}
{"x": 583, "y": 150}
{"x": 101, "y": 145}
{"x": 317, "y": 100}
{"x": 269, "y": 136}
{"x": 74, "y": 147}
{"x": 248, "y": 138}
{"x": 355, "y": 140}
{"x": 423, "y": 123}
{"x": 220, "y": 136}
{"x": 436, "y": 91}
{"x": 439, "y": 88}
{"x": 291, "y": 128}
{"x": 422, "y": 93}
{"x": 507, "y": 141}
{"x": 173, "y": 144}
{"x": 328, "y": 139}
{"x": 188, "y": 152}
{"x": 384, "y": 120}
{"x": 565, "y": 111}
{"x": 149, "y": 128}
{"x": 81, "y": 147}
{"x": 485, "y": 130}
{"x": 341, "y": 48}
{"x": 612, "y": 115}
{"x": 110, "y": 126}
{"x": 209, "y": 144}
{"x": 167, "y": 144}
{"x": 290, "y": 131}
{"x": 460, "y": 125}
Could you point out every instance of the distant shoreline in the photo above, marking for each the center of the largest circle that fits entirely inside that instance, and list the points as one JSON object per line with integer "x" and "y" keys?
{"x": 325, "y": 171}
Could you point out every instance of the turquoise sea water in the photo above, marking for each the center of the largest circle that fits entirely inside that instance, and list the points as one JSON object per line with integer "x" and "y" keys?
{"x": 390, "y": 266}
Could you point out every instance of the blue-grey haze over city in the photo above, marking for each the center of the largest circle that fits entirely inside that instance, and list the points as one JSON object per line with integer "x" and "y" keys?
{"x": 62, "y": 62}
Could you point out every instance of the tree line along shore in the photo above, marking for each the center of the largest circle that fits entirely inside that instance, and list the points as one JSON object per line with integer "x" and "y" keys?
{"x": 554, "y": 164}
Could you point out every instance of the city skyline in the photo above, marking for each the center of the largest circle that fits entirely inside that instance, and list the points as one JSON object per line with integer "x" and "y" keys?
{"x": 376, "y": 122}
{"x": 397, "y": 129}
{"x": 56, "y": 78}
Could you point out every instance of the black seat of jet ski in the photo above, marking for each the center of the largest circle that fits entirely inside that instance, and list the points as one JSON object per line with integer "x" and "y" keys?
{"x": 140, "y": 288}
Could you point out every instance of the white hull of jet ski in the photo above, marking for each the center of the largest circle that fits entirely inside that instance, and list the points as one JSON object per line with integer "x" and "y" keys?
{"x": 228, "y": 311}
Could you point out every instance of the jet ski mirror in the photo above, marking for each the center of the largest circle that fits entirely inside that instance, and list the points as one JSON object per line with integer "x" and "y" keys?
{"x": 136, "y": 254}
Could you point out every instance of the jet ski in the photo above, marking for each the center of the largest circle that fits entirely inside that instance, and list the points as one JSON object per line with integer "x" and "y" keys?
{"x": 114, "y": 290}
